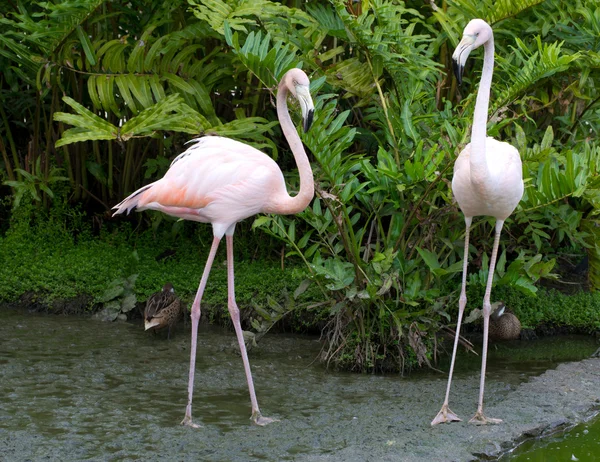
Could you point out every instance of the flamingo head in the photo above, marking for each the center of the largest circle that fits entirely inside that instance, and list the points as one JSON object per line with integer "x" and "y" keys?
{"x": 475, "y": 34}
{"x": 298, "y": 85}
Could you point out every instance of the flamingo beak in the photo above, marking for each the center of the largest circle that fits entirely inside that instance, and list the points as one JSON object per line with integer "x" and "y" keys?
{"x": 460, "y": 55}
{"x": 306, "y": 105}
{"x": 307, "y": 122}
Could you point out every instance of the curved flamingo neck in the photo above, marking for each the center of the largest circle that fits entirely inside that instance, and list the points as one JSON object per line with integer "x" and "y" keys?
{"x": 478, "y": 162}
{"x": 290, "y": 205}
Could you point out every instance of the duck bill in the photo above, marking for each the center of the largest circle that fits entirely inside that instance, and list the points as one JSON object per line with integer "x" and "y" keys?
{"x": 306, "y": 105}
{"x": 460, "y": 55}
{"x": 150, "y": 324}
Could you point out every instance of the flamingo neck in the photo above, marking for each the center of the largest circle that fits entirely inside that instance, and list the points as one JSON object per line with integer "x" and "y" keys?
{"x": 478, "y": 162}
{"x": 290, "y": 205}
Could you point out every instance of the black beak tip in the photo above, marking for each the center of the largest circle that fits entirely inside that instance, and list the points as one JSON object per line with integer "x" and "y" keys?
{"x": 458, "y": 71}
{"x": 309, "y": 120}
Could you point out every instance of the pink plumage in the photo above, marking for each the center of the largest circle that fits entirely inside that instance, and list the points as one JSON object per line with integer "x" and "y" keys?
{"x": 222, "y": 181}
{"x": 216, "y": 180}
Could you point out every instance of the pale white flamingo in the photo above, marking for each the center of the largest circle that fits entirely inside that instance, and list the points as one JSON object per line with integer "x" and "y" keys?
{"x": 488, "y": 180}
{"x": 222, "y": 181}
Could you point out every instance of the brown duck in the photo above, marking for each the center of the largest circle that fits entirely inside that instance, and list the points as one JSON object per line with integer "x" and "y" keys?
{"x": 504, "y": 325}
{"x": 163, "y": 309}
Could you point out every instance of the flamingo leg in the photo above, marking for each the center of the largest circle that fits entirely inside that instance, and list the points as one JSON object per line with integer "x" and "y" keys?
{"x": 479, "y": 418}
{"x": 234, "y": 311}
{"x": 445, "y": 414}
{"x": 187, "y": 420}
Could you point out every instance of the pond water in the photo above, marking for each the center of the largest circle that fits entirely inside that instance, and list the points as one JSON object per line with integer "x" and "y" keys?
{"x": 581, "y": 443}
{"x": 73, "y": 388}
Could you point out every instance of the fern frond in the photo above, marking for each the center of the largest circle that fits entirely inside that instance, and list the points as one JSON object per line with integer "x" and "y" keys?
{"x": 559, "y": 178}
{"x": 89, "y": 125}
{"x": 329, "y": 139}
{"x": 592, "y": 228}
{"x": 493, "y": 11}
{"x": 238, "y": 13}
{"x": 138, "y": 75}
{"x": 529, "y": 68}
{"x": 386, "y": 43}
{"x": 499, "y": 10}
{"x": 267, "y": 61}
{"x": 327, "y": 18}
{"x": 170, "y": 114}
{"x": 43, "y": 34}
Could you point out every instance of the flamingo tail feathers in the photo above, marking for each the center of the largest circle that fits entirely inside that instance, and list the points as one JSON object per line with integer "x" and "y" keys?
{"x": 131, "y": 202}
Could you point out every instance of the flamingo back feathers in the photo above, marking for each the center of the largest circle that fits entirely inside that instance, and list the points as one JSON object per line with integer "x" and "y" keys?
{"x": 215, "y": 180}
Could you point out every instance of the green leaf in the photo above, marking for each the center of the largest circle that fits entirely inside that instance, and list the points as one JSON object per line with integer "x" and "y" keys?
{"x": 430, "y": 258}
{"x": 110, "y": 311}
{"x": 178, "y": 82}
{"x": 305, "y": 284}
{"x": 407, "y": 122}
{"x": 548, "y": 137}
{"x": 97, "y": 171}
{"x": 128, "y": 303}
{"x": 170, "y": 113}
{"x": 112, "y": 293}
{"x": 86, "y": 45}
{"x": 90, "y": 126}
{"x": 260, "y": 221}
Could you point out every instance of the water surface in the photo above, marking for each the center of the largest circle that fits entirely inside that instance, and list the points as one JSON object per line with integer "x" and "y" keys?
{"x": 580, "y": 443}
{"x": 73, "y": 388}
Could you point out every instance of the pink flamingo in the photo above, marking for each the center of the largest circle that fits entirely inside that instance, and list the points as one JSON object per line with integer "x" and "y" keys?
{"x": 222, "y": 181}
{"x": 488, "y": 180}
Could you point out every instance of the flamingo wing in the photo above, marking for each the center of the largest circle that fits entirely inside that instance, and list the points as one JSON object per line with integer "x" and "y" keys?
{"x": 216, "y": 180}
{"x": 500, "y": 194}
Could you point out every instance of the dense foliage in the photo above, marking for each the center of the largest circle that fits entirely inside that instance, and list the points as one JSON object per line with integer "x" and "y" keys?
{"x": 45, "y": 262}
{"x": 97, "y": 96}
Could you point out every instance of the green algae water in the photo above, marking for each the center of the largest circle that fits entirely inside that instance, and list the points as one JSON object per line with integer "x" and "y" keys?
{"x": 581, "y": 443}
{"x": 75, "y": 389}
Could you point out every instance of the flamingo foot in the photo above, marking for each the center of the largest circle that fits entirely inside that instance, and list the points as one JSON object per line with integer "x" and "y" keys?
{"x": 480, "y": 419}
{"x": 445, "y": 416}
{"x": 187, "y": 421}
{"x": 258, "y": 419}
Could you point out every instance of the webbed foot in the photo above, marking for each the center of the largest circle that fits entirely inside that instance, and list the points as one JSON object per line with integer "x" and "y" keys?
{"x": 260, "y": 420}
{"x": 480, "y": 419}
{"x": 187, "y": 421}
{"x": 445, "y": 416}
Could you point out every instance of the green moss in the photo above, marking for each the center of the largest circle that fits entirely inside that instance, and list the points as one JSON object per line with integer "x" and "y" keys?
{"x": 549, "y": 308}
{"x": 48, "y": 261}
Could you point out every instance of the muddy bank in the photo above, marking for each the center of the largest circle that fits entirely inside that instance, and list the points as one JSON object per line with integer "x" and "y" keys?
{"x": 300, "y": 321}
{"x": 544, "y": 405}
{"x": 77, "y": 389}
